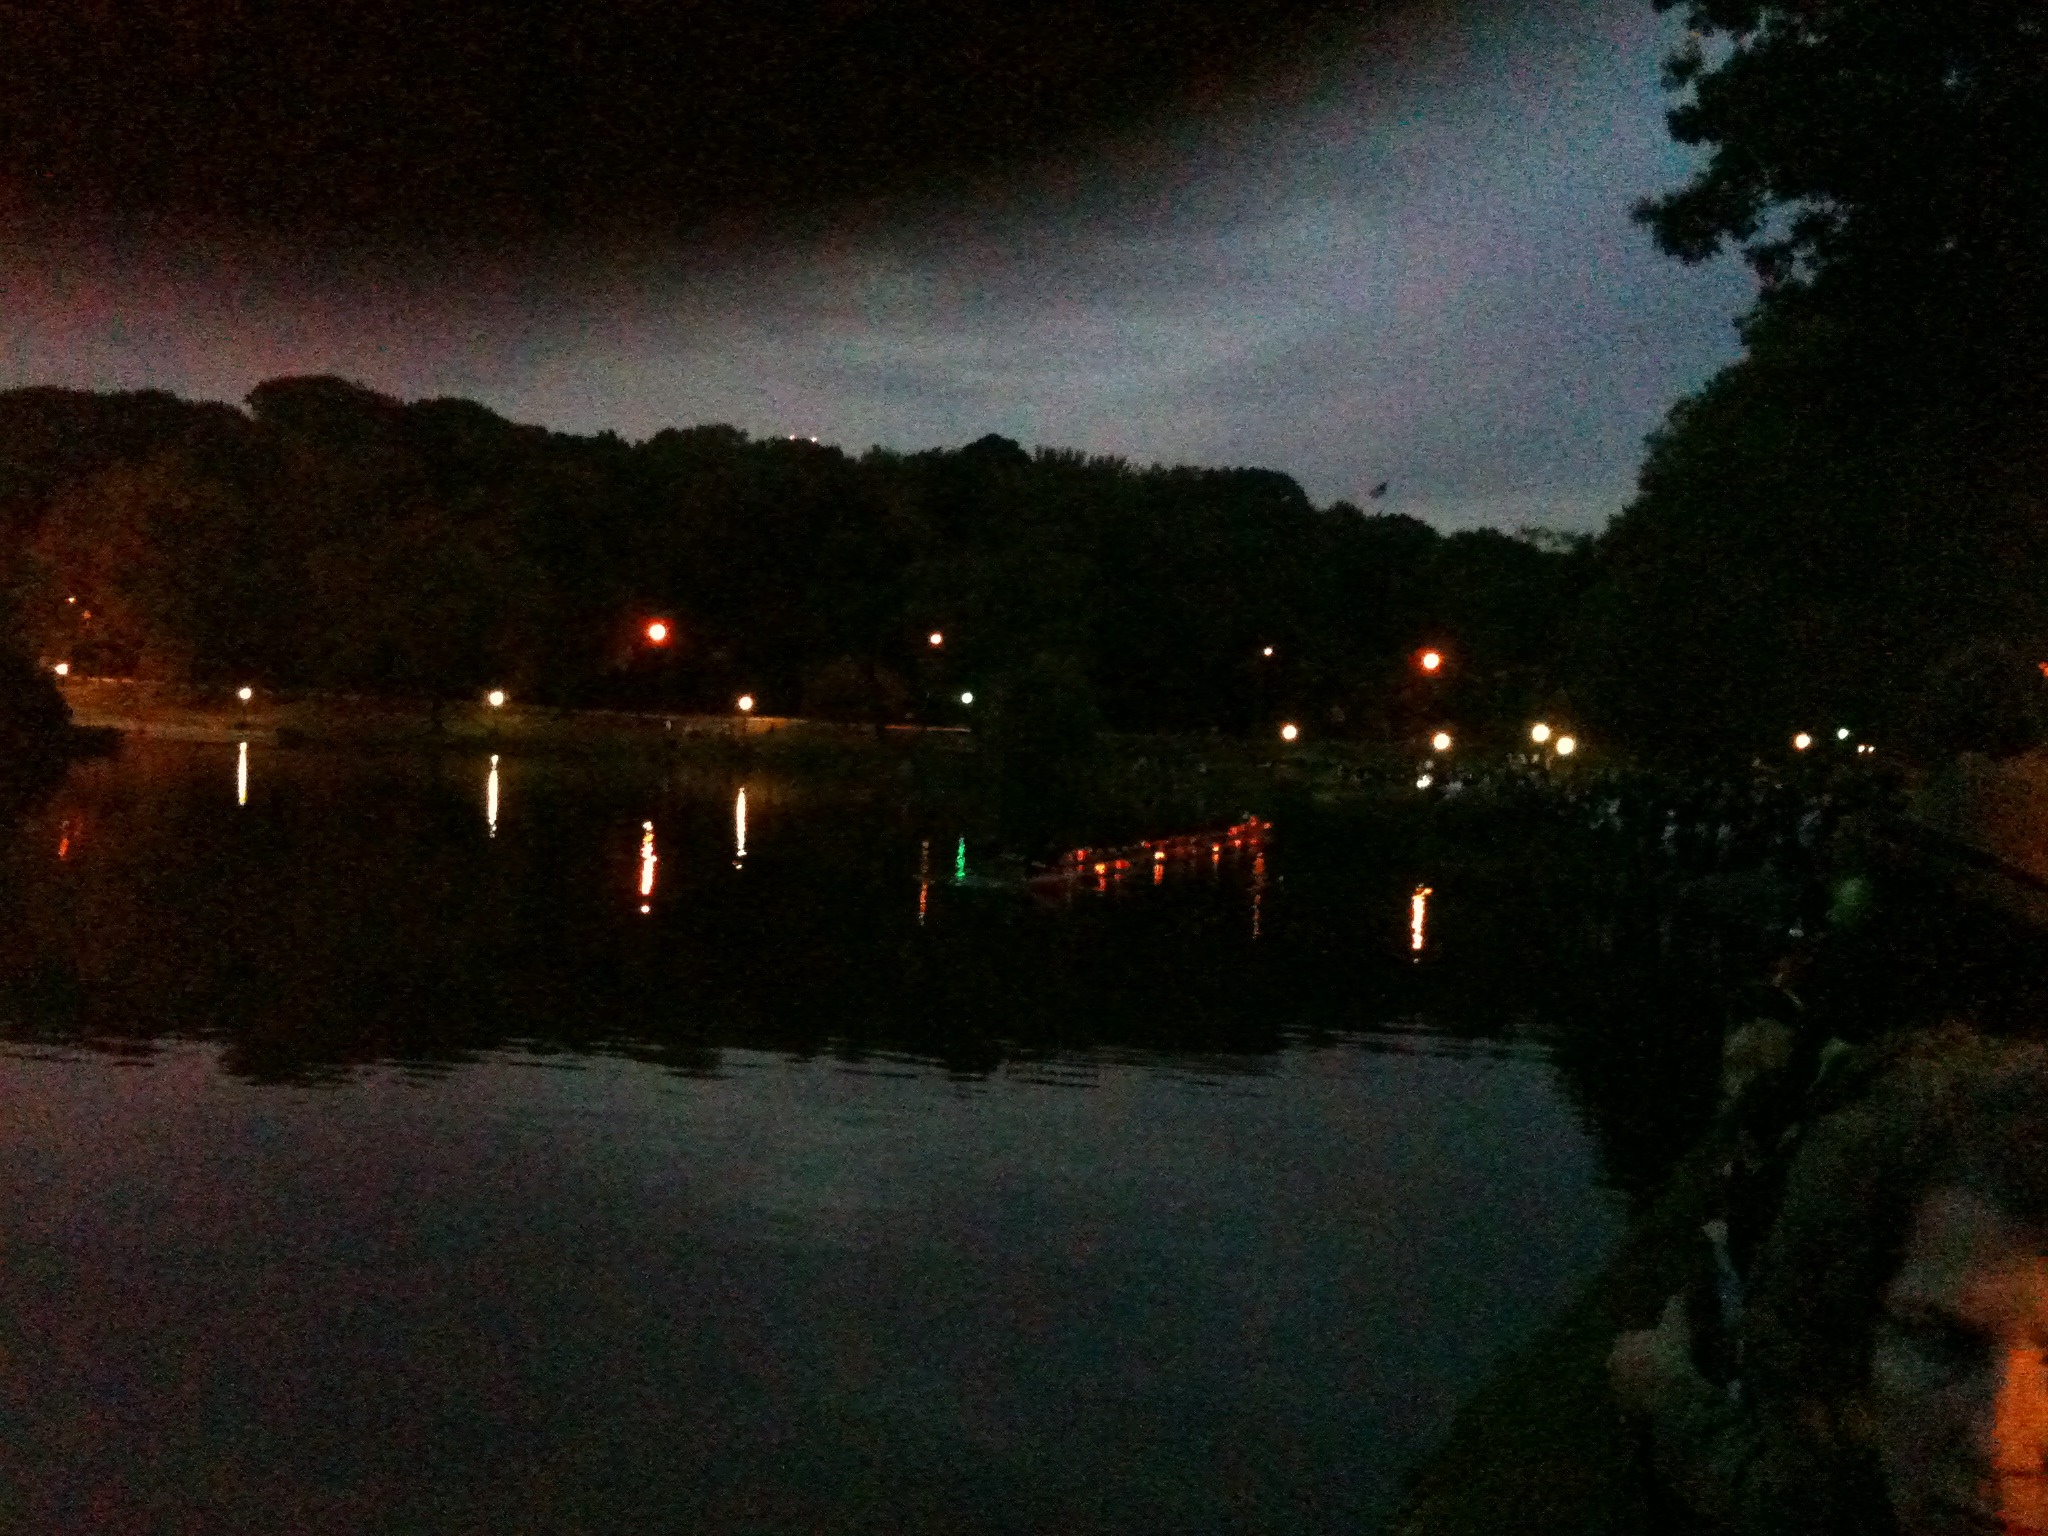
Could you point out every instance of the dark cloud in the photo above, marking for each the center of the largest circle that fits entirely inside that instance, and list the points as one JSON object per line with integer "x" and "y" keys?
{"x": 410, "y": 122}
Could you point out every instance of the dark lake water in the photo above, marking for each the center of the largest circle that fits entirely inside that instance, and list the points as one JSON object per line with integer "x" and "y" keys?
{"x": 392, "y": 1146}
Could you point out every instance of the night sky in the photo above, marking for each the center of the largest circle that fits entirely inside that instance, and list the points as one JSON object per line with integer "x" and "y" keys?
{"x": 1360, "y": 243}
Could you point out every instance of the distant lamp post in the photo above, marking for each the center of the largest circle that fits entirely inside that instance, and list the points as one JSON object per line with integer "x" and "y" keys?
{"x": 746, "y": 703}
{"x": 1801, "y": 742}
{"x": 1842, "y": 733}
{"x": 1567, "y": 745}
{"x": 62, "y": 669}
{"x": 495, "y": 698}
{"x": 657, "y": 633}
{"x": 1268, "y": 651}
{"x": 1539, "y": 733}
{"x": 1289, "y": 731}
{"x": 967, "y": 698}
{"x": 245, "y": 694}
{"x": 937, "y": 638}
{"x": 1431, "y": 661}
{"x": 1441, "y": 741}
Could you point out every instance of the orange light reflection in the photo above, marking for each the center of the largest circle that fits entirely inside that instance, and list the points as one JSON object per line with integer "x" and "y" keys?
{"x": 1418, "y": 917}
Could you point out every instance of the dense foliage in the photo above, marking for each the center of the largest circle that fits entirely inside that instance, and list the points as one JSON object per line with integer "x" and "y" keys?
{"x": 332, "y": 538}
{"x": 1849, "y": 524}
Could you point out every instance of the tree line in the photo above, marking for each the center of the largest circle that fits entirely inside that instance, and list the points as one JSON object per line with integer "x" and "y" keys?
{"x": 328, "y": 537}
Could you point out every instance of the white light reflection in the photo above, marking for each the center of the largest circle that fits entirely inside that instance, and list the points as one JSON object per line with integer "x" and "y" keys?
{"x": 647, "y": 863}
{"x": 739, "y": 827}
{"x": 491, "y": 797}
{"x": 242, "y": 773}
{"x": 1418, "y": 917}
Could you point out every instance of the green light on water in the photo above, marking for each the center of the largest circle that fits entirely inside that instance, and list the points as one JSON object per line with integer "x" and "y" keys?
{"x": 960, "y": 861}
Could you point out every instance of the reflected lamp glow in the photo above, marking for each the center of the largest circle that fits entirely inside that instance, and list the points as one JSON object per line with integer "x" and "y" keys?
{"x": 739, "y": 826}
{"x": 647, "y": 862}
{"x": 1801, "y": 742}
{"x": 1567, "y": 745}
{"x": 242, "y": 773}
{"x": 1418, "y": 917}
{"x": 1441, "y": 741}
{"x": 1289, "y": 732}
{"x": 1539, "y": 733}
{"x": 491, "y": 797}
{"x": 960, "y": 860}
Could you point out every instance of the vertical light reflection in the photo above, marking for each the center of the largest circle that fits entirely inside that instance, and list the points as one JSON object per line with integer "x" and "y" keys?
{"x": 1258, "y": 892}
{"x": 960, "y": 860}
{"x": 1418, "y": 918}
{"x": 647, "y": 863}
{"x": 242, "y": 773}
{"x": 924, "y": 879}
{"x": 739, "y": 827}
{"x": 491, "y": 797}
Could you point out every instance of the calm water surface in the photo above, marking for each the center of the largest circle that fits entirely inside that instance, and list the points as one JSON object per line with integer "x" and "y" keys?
{"x": 402, "y": 1147}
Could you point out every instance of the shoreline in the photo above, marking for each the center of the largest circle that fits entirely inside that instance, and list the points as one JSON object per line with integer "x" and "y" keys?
{"x": 173, "y": 712}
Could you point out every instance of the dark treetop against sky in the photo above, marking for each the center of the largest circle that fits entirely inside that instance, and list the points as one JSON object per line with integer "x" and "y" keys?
{"x": 1382, "y": 241}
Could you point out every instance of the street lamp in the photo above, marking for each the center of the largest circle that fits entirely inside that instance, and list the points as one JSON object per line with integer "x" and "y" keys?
{"x": 1567, "y": 745}
{"x": 1441, "y": 741}
{"x": 495, "y": 698}
{"x": 1289, "y": 731}
{"x": 62, "y": 669}
{"x": 1801, "y": 742}
{"x": 1539, "y": 733}
{"x": 1268, "y": 651}
{"x": 1431, "y": 660}
{"x": 657, "y": 633}
{"x": 746, "y": 703}
{"x": 967, "y": 698}
{"x": 245, "y": 694}
{"x": 937, "y": 638}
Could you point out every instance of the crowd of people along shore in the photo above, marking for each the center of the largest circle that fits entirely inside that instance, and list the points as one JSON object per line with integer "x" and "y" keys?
{"x": 1861, "y": 1346}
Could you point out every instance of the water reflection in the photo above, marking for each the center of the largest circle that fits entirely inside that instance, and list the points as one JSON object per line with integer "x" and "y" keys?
{"x": 1258, "y": 893}
{"x": 491, "y": 797}
{"x": 739, "y": 827}
{"x": 242, "y": 774}
{"x": 647, "y": 863}
{"x": 924, "y": 879}
{"x": 1418, "y": 917}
